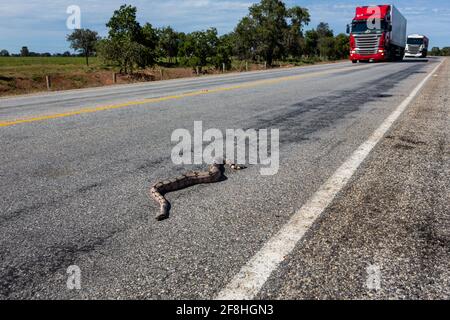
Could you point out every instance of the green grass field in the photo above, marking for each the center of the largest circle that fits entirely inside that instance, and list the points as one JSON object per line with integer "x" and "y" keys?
{"x": 36, "y": 66}
{"x": 20, "y": 75}
{"x": 27, "y": 61}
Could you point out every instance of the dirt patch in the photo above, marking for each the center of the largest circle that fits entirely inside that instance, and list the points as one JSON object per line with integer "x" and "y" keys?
{"x": 23, "y": 84}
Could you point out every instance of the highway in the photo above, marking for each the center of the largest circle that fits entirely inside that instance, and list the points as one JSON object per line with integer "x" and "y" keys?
{"x": 76, "y": 167}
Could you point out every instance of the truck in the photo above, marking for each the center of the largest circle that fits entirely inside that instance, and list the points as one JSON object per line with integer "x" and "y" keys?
{"x": 417, "y": 46}
{"x": 377, "y": 33}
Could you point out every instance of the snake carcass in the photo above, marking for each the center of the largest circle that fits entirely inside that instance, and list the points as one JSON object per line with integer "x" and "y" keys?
{"x": 214, "y": 174}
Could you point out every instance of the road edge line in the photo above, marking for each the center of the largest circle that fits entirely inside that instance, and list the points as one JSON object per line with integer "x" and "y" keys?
{"x": 255, "y": 273}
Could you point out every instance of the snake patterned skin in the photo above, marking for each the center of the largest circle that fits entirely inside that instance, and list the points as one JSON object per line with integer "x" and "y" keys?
{"x": 213, "y": 175}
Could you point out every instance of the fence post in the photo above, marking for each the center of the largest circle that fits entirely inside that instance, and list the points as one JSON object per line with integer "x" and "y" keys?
{"x": 161, "y": 72}
{"x": 265, "y": 64}
{"x": 223, "y": 67}
{"x": 246, "y": 65}
{"x": 48, "y": 81}
{"x": 114, "y": 77}
{"x": 197, "y": 69}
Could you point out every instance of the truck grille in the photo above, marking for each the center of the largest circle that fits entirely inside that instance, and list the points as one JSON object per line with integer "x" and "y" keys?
{"x": 413, "y": 49}
{"x": 367, "y": 44}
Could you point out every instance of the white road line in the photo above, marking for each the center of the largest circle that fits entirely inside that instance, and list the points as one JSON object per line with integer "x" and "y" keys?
{"x": 251, "y": 278}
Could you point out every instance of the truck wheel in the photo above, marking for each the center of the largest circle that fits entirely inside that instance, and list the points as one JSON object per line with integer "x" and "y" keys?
{"x": 390, "y": 56}
{"x": 401, "y": 55}
{"x": 354, "y": 61}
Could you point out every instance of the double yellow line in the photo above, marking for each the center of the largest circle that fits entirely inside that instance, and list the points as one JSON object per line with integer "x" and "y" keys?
{"x": 166, "y": 98}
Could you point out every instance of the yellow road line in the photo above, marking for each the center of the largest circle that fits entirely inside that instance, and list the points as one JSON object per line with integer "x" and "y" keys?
{"x": 166, "y": 98}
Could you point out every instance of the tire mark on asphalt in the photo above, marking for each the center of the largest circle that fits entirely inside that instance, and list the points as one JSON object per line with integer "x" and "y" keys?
{"x": 25, "y": 278}
{"x": 12, "y": 216}
{"x": 299, "y": 120}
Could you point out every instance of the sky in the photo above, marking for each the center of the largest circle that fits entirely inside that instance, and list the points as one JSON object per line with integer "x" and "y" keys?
{"x": 41, "y": 25}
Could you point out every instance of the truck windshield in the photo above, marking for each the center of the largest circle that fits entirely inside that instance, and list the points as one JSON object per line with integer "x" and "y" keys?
{"x": 368, "y": 26}
{"x": 415, "y": 41}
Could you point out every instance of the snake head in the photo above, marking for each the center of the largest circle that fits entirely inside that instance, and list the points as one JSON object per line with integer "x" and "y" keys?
{"x": 237, "y": 167}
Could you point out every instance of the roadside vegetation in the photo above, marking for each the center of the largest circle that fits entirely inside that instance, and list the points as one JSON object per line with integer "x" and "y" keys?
{"x": 440, "y": 52}
{"x": 271, "y": 33}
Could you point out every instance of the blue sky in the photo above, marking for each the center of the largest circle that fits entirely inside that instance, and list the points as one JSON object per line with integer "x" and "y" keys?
{"x": 41, "y": 25}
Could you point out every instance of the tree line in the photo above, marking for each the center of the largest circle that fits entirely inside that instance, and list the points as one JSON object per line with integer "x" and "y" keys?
{"x": 436, "y": 51}
{"x": 25, "y": 52}
{"x": 271, "y": 31}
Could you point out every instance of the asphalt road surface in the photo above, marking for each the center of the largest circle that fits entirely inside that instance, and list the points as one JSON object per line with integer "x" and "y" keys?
{"x": 76, "y": 166}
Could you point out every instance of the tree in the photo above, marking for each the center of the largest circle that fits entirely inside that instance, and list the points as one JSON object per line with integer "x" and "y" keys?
{"x": 269, "y": 18}
{"x": 224, "y": 52}
{"x": 169, "y": 43}
{"x": 321, "y": 41}
{"x": 4, "y": 53}
{"x": 148, "y": 38}
{"x": 123, "y": 24}
{"x": 342, "y": 46}
{"x": 84, "y": 41}
{"x": 127, "y": 54}
{"x": 299, "y": 17}
{"x": 128, "y": 44}
{"x": 326, "y": 46}
{"x": 271, "y": 31}
{"x": 311, "y": 42}
{"x": 245, "y": 39}
{"x": 24, "y": 52}
{"x": 198, "y": 46}
{"x": 445, "y": 51}
{"x": 324, "y": 31}
{"x": 436, "y": 51}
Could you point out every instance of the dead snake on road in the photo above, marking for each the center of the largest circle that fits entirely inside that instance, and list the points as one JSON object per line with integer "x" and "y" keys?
{"x": 214, "y": 174}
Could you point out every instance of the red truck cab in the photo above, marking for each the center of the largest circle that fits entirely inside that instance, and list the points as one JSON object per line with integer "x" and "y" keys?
{"x": 377, "y": 33}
